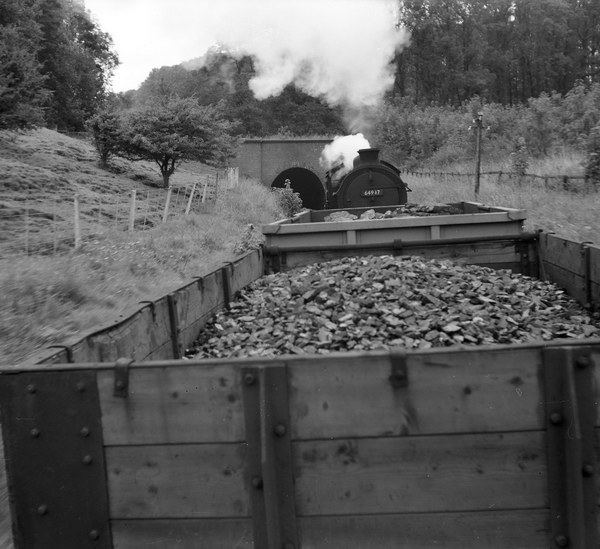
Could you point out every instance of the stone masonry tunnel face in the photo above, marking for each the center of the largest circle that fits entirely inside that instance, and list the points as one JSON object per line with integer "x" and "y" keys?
{"x": 304, "y": 182}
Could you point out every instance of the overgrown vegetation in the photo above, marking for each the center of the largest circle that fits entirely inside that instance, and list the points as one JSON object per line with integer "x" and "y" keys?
{"x": 289, "y": 201}
{"x": 570, "y": 215}
{"x": 167, "y": 132}
{"x": 46, "y": 299}
{"x": 55, "y": 63}
{"x": 592, "y": 168}
{"x": 434, "y": 135}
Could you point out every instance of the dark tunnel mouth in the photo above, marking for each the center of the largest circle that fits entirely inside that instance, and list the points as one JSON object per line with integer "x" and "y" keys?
{"x": 304, "y": 182}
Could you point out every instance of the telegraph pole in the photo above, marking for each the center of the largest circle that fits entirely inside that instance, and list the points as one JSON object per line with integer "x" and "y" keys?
{"x": 479, "y": 126}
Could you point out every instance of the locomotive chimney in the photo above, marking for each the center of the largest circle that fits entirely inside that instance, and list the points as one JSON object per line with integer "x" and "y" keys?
{"x": 368, "y": 156}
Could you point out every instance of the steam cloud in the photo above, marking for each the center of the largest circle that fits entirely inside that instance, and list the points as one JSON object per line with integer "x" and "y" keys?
{"x": 342, "y": 149}
{"x": 338, "y": 50}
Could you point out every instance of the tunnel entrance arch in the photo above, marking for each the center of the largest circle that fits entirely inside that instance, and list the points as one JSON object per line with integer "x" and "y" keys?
{"x": 304, "y": 182}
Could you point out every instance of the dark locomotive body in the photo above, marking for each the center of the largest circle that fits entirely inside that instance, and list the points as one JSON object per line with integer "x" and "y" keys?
{"x": 371, "y": 182}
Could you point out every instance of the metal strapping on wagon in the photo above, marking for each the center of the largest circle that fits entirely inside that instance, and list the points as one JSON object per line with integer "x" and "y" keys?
{"x": 269, "y": 473}
{"x": 121, "y": 384}
{"x": 570, "y": 415}
{"x": 226, "y": 277}
{"x": 52, "y": 432}
{"x": 174, "y": 321}
{"x": 587, "y": 273}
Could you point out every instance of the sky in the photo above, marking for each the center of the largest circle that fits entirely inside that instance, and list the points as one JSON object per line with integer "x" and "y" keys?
{"x": 152, "y": 33}
{"x": 339, "y": 50}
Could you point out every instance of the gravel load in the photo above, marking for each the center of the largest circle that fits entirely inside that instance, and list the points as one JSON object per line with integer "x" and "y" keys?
{"x": 382, "y": 302}
{"x": 407, "y": 210}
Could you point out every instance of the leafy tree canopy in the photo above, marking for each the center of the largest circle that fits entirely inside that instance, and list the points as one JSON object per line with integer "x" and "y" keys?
{"x": 173, "y": 130}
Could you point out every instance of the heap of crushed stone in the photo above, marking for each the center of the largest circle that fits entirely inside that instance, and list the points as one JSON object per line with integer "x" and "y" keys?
{"x": 383, "y": 302}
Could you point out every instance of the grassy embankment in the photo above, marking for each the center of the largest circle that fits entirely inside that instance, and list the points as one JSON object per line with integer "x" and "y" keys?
{"x": 573, "y": 213}
{"x": 45, "y": 299}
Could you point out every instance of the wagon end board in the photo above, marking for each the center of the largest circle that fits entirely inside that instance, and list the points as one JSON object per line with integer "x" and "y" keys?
{"x": 445, "y": 446}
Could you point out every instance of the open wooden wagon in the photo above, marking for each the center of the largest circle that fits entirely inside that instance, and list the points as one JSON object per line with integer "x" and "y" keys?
{"x": 455, "y": 447}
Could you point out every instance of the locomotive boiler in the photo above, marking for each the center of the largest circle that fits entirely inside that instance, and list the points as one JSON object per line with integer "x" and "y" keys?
{"x": 371, "y": 182}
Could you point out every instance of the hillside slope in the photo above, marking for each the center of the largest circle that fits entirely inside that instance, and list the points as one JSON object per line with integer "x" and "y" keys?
{"x": 40, "y": 173}
{"x": 56, "y": 292}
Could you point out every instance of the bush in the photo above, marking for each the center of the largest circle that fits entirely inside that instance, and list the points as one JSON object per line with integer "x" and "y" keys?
{"x": 519, "y": 158}
{"x": 592, "y": 168}
{"x": 289, "y": 201}
{"x": 414, "y": 136}
{"x": 105, "y": 127}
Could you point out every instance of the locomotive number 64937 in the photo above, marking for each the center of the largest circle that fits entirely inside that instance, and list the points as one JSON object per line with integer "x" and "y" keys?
{"x": 372, "y": 192}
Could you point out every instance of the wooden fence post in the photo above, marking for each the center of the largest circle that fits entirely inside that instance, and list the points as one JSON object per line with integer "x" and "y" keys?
{"x": 132, "y": 211}
{"x": 27, "y": 228}
{"x": 479, "y": 123}
{"x": 167, "y": 202}
{"x": 76, "y": 223}
{"x": 189, "y": 204}
{"x": 147, "y": 208}
{"x": 205, "y": 189}
{"x": 54, "y": 235}
{"x": 216, "y": 187}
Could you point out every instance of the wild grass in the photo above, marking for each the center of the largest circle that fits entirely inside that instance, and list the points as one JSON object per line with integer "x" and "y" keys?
{"x": 47, "y": 299}
{"x": 560, "y": 162}
{"x": 573, "y": 214}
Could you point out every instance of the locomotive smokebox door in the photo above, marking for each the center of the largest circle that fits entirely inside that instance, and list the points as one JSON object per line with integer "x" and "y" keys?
{"x": 372, "y": 182}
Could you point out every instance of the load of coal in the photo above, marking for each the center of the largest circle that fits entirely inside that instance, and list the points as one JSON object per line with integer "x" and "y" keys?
{"x": 383, "y": 302}
{"x": 406, "y": 210}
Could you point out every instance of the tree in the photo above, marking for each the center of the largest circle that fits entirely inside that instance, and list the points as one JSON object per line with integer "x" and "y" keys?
{"x": 106, "y": 130}
{"x": 592, "y": 168}
{"x": 77, "y": 59}
{"x": 176, "y": 130}
{"x": 22, "y": 91}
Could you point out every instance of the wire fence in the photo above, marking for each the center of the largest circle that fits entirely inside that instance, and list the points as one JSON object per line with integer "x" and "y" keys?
{"x": 33, "y": 224}
{"x": 551, "y": 182}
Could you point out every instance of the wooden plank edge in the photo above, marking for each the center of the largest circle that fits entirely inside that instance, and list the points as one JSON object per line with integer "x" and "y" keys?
{"x": 393, "y": 223}
{"x": 308, "y": 357}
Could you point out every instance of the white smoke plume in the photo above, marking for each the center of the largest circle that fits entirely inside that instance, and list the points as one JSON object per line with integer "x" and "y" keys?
{"x": 342, "y": 149}
{"x": 338, "y": 50}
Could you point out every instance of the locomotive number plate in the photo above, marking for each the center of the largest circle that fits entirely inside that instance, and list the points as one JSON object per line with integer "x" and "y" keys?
{"x": 372, "y": 192}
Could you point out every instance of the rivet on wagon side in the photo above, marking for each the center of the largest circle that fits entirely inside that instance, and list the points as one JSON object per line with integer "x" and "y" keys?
{"x": 279, "y": 430}
{"x": 35, "y": 433}
{"x": 42, "y": 510}
{"x": 80, "y": 386}
{"x": 561, "y": 540}
{"x": 587, "y": 470}
{"x": 94, "y": 534}
{"x": 582, "y": 362}
{"x": 84, "y": 432}
{"x": 249, "y": 379}
{"x": 257, "y": 482}
{"x": 31, "y": 388}
{"x": 87, "y": 459}
{"x": 556, "y": 418}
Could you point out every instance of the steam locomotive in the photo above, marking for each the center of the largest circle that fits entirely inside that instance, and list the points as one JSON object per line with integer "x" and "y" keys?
{"x": 371, "y": 182}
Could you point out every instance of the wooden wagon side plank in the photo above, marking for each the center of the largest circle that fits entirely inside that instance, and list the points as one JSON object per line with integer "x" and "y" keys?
{"x": 563, "y": 253}
{"x": 498, "y": 255}
{"x": 174, "y": 404}
{"x": 183, "y": 534}
{"x": 177, "y": 481}
{"x": 425, "y": 530}
{"x": 421, "y": 474}
{"x": 449, "y": 392}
